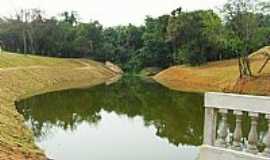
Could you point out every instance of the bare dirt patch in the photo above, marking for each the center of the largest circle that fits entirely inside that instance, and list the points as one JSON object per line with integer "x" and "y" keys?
{"x": 221, "y": 76}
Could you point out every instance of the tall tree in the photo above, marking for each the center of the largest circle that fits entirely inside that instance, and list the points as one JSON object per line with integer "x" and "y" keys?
{"x": 184, "y": 37}
{"x": 156, "y": 51}
{"x": 241, "y": 17}
{"x": 194, "y": 36}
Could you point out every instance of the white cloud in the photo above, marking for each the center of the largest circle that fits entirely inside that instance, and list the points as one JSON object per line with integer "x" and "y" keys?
{"x": 109, "y": 12}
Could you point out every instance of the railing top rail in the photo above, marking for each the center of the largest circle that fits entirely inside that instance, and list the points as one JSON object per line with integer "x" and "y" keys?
{"x": 248, "y": 103}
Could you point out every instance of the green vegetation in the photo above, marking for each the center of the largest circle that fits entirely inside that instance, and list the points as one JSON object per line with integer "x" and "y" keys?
{"x": 182, "y": 37}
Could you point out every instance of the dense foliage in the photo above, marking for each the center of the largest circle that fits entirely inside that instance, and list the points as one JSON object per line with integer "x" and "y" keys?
{"x": 183, "y": 37}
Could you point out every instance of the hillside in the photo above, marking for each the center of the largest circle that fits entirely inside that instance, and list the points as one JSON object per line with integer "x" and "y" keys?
{"x": 22, "y": 76}
{"x": 220, "y": 76}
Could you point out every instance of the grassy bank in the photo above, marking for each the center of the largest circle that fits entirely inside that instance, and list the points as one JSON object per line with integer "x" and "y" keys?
{"x": 22, "y": 76}
{"x": 221, "y": 76}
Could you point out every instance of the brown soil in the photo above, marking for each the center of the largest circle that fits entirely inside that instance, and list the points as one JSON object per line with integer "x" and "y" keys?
{"x": 221, "y": 76}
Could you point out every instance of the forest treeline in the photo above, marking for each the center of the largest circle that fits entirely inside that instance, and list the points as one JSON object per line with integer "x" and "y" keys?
{"x": 181, "y": 37}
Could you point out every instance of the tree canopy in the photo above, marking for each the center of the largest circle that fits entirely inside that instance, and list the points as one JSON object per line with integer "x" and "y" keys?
{"x": 182, "y": 37}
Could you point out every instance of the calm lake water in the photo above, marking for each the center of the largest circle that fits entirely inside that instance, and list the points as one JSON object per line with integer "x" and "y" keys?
{"x": 132, "y": 119}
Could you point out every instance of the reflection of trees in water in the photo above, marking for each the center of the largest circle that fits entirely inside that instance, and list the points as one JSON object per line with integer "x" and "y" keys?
{"x": 177, "y": 116}
{"x": 65, "y": 109}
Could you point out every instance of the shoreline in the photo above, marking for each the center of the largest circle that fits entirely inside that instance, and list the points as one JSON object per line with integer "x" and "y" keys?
{"x": 16, "y": 139}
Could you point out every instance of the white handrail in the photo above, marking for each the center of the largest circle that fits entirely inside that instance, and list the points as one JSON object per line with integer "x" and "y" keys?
{"x": 248, "y": 103}
{"x": 217, "y": 142}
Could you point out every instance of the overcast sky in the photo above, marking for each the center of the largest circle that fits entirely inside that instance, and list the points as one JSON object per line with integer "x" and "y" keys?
{"x": 109, "y": 12}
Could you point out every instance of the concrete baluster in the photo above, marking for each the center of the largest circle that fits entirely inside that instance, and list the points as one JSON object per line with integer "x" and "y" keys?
{"x": 253, "y": 135}
{"x": 222, "y": 130}
{"x": 266, "y": 151}
{"x": 238, "y": 131}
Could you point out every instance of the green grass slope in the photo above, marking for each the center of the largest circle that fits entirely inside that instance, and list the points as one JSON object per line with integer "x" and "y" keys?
{"x": 22, "y": 76}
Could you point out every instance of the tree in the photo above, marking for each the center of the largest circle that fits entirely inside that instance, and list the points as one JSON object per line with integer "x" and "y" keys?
{"x": 156, "y": 51}
{"x": 89, "y": 39}
{"x": 194, "y": 36}
{"x": 70, "y": 17}
{"x": 241, "y": 17}
{"x": 184, "y": 37}
{"x": 122, "y": 44}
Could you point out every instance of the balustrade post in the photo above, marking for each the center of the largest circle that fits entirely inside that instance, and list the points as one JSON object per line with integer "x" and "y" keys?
{"x": 253, "y": 135}
{"x": 266, "y": 151}
{"x": 238, "y": 131}
{"x": 222, "y": 130}
{"x": 210, "y": 120}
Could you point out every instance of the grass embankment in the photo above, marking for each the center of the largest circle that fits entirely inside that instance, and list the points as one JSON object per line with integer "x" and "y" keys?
{"x": 221, "y": 76}
{"x": 22, "y": 76}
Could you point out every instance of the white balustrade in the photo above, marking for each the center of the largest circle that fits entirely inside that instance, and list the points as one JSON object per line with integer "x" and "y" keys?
{"x": 215, "y": 136}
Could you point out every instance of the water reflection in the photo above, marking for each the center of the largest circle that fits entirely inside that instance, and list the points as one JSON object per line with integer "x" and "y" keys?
{"x": 170, "y": 115}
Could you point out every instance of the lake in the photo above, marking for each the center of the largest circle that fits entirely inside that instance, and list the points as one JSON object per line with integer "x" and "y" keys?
{"x": 132, "y": 119}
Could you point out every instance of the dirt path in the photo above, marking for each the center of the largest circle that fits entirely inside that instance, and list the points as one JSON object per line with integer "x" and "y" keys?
{"x": 84, "y": 65}
{"x": 21, "y": 68}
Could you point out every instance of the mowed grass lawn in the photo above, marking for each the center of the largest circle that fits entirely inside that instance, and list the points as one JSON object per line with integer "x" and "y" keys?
{"x": 8, "y": 60}
{"x": 22, "y": 76}
{"x": 220, "y": 76}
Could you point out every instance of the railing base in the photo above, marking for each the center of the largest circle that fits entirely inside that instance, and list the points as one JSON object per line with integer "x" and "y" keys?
{"x": 215, "y": 153}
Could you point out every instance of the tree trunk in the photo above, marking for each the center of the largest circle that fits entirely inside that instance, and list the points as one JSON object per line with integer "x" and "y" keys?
{"x": 32, "y": 48}
{"x": 24, "y": 42}
{"x": 244, "y": 67}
